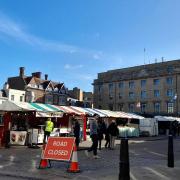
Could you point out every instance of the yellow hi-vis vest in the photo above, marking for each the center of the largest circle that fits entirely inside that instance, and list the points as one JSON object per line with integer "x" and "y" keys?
{"x": 49, "y": 126}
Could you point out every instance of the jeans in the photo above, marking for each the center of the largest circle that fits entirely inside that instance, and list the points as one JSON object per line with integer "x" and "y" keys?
{"x": 94, "y": 146}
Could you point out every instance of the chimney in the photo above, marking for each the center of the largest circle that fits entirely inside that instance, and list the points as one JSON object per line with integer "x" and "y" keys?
{"x": 21, "y": 71}
{"x": 46, "y": 76}
{"x": 37, "y": 75}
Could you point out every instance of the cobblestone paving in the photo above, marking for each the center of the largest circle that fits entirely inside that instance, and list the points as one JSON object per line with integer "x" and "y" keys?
{"x": 148, "y": 160}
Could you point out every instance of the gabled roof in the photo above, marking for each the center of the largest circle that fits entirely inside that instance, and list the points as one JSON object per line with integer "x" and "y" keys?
{"x": 27, "y": 79}
{"x": 59, "y": 85}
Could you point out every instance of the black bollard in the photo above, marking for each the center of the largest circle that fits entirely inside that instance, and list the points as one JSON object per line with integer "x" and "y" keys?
{"x": 170, "y": 152}
{"x": 124, "y": 160}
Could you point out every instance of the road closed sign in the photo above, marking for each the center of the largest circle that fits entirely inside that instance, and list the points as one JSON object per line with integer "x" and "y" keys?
{"x": 59, "y": 148}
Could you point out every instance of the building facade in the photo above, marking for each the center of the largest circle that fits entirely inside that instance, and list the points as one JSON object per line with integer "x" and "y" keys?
{"x": 38, "y": 89}
{"x": 77, "y": 97}
{"x": 151, "y": 89}
{"x": 76, "y": 93}
{"x": 88, "y": 99}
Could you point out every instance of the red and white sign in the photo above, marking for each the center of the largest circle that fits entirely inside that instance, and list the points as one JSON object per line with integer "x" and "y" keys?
{"x": 59, "y": 148}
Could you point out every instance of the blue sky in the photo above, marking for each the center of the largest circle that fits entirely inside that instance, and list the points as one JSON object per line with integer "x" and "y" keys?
{"x": 72, "y": 41}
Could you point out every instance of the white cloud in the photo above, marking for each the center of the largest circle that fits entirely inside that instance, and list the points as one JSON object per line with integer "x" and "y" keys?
{"x": 98, "y": 55}
{"x": 16, "y": 31}
{"x": 68, "y": 66}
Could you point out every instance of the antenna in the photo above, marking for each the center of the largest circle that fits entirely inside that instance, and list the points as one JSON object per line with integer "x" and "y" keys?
{"x": 144, "y": 55}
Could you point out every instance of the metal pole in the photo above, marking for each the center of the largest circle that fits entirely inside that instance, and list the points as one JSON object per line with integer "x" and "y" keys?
{"x": 170, "y": 152}
{"x": 124, "y": 160}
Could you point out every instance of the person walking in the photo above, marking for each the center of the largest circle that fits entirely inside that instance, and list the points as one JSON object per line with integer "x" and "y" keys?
{"x": 113, "y": 132}
{"x": 77, "y": 132}
{"x": 94, "y": 136}
{"x": 107, "y": 138}
{"x": 49, "y": 126}
{"x": 100, "y": 131}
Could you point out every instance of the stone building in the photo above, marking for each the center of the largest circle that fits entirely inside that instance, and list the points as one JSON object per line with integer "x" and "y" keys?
{"x": 147, "y": 89}
{"x": 38, "y": 89}
{"x": 76, "y": 93}
{"x": 78, "y": 97}
{"x": 88, "y": 99}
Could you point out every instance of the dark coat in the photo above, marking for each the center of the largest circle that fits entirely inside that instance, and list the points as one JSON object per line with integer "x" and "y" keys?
{"x": 113, "y": 130}
{"x": 77, "y": 129}
{"x": 100, "y": 131}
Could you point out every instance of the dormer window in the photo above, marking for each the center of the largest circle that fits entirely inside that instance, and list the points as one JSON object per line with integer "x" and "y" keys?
{"x": 56, "y": 89}
{"x": 34, "y": 85}
{"x": 49, "y": 88}
{"x": 40, "y": 86}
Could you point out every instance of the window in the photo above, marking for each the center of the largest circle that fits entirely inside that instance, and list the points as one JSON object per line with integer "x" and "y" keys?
{"x": 56, "y": 89}
{"x": 170, "y": 107}
{"x": 111, "y": 90}
{"x": 55, "y": 99}
{"x": 40, "y": 86}
{"x": 111, "y": 107}
{"x": 131, "y": 107}
{"x": 170, "y": 93}
{"x": 143, "y": 107}
{"x": 131, "y": 84}
{"x": 121, "y": 85}
{"x": 170, "y": 69}
{"x": 100, "y": 89}
{"x": 120, "y": 107}
{"x": 12, "y": 97}
{"x": 99, "y": 92}
{"x": 156, "y": 93}
{"x": 33, "y": 85}
{"x": 143, "y": 83}
{"x": 21, "y": 98}
{"x": 157, "y": 107}
{"x": 156, "y": 82}
{"x": 143, "y": 94}
{"x": 49, "y": 99}
{"x": 169, "y": 80}
{"x": 120, "y": 95}
{"x": 1, "y": 119}
{"x": 62, "y": 100}
{"x": 131, "y": 95}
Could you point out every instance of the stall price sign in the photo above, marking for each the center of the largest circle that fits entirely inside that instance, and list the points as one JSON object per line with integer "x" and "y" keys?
{"x": 59, "y": 148}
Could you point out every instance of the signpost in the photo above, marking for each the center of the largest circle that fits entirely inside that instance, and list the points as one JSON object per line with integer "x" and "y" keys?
{"x": 59, "y": 148}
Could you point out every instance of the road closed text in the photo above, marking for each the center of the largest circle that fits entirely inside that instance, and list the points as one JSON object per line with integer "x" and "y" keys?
{"x": 59, "y": 148}
{"x": 57, "y": 152}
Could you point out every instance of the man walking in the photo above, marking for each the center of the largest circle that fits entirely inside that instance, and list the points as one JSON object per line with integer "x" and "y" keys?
{"x": 49, "y": 126}
{"x": 77, "y": 132}
{"x": 94, "y": 136}
{"x": 113, "y": 132}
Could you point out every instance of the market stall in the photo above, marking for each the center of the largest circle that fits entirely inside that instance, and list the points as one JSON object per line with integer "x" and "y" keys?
{"x": 23, "y": 122}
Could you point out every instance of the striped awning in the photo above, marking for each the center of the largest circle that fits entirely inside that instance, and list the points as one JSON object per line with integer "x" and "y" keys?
{"x": 70, "y": 109}
{"x": 95, "y": 111}
{"x": 42, "y": 110}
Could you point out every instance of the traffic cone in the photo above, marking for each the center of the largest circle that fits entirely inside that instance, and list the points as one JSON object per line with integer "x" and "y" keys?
{"x": 44, "y": 162}
{"x": 74, "y": 167}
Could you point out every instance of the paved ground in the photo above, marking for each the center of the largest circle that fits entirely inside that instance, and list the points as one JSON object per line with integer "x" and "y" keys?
{"x": 148, "y": 161}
